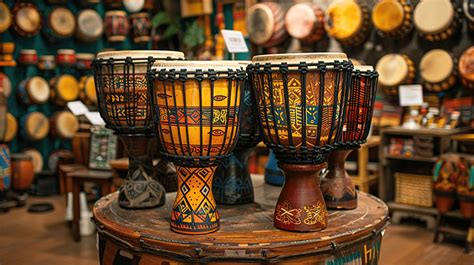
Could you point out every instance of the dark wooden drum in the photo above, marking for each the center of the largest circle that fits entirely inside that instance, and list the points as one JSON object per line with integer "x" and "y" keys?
{"x": 140, "y": 27}
{"x": 116, "y": 25}
{"x": 266, "y": 25}
{"x": 247, "y": 235}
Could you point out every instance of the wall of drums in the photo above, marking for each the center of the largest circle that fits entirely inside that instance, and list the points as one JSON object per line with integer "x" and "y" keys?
{"x": 52, "y": 46}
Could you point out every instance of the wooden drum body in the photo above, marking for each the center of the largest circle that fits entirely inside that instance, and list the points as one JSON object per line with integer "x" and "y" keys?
{"x": 393, "y": 18}
{"x": 437, "y": 70}
{"x": 466, "y": 68}
{"x": 64, "y": 88}
{"x": 34, "y": 90}
{"x": 394, "y": 70}
{"x": 22, "y": 172}
{"x": 36, "y": 157}
{"x": 140, "y": 27}
{"x": 196, "y": 106}
{"x": 12, "y": 128}
{"x": 305, "y": 22}
{"x": 35, "y": 126}
{"x": 89, "y": 25}
{"x": 26, "y": 19}
{"x": 116, "y": 26}
{"x": 437, "y": 20}
{"x": 301, "y": 110}
{"x": 265, "y": 24}
{"x": 63, "y": 125}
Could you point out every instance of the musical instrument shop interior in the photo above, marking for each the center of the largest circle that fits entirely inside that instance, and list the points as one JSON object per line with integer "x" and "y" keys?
{"x": 136, "y": 132}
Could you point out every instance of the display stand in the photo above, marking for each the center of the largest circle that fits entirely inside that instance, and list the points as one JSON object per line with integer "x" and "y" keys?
{"x": 246, "y": 234}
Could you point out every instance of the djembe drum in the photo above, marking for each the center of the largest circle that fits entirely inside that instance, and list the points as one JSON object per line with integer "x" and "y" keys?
{"x": 300, "y": 99}
{"x": 437, "y": 70}
{"x": 337, "y": 187}
{"x": 196, "y": 106}
{"x": 232, "y": 183}
{"x": 122, "y": 93}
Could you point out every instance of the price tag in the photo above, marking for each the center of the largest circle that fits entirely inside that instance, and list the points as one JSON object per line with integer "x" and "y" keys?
{"x": 411, "y": 95}
{"x": 94, "y": 118}
{"x": 234, "y": 41}
{"x": 77, "y": 107}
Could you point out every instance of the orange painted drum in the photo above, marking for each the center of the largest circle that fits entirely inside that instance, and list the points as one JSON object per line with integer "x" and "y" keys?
{"x": 87, "y": 90}
{"x": 63, "y": 124}
{"x": 36, "y": 157}
{"x": 64, "y": 88}
{"x": 466, "y": 67}
{"x": 394, "y": 70}
{"x": 23, "y": 171}
{"x": 437, "y": 70}
{"x": 305, "y": 21}
{"x": 437, "y": 20}
{"x": 266, "y": 24}
{"x": 393, "y": 18}
{"x": 12, "y": 128}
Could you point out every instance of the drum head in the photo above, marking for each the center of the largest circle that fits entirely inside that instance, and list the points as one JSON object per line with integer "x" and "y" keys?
{"x": 62, "y": 21}
{"x": 90, "y": 23}
{"x": 343, "y": 19}
{"x": 197, "y": 65}
{"x": 140, "y": 54}
{"x": 133, "y": 6}
{"x": 12, "y": 128}
{"x": 387, "y": 15}
{"x": 67, "y": 87}
{"x": 433, "y": 16}
{"x": 5, "y": 17}
{"x": 38, "y": 89}
{"x": 300, "y": 20}
{"x": 295, "y": 58}
{"x": 37, "y": 159}
{"x": 28, "y": 19}
{"x": 90, "y": 90}
{"x": 66, "y": 124}
{"x": 36, "y": 125}
{"x": 392, "y": 69}
{"x": 260, "y": 23}
{"x": 436, "y": 65}
{"x": 5, "y": 85}
{"x": 466, "y": 64}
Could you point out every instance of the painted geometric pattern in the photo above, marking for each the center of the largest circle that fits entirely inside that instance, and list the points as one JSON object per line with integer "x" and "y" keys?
{"x": 221, "y": 116}
{"x": 194, "y": 209}
{"x": 4, "y": 167}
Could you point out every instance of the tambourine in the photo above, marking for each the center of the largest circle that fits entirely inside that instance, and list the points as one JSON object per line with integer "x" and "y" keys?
{"x": 28, "y": 57}
{"x": 5, "y": 17}
{"x": 348, "y": 21}
{"x": 140, "y": 27}
{"x": 116, "y": 26}
{"x": 395, "y": 70}
{"x": 265, "y": 24}
{"x": 84, "y": 61}
{"x": 36, "y": 157}
{"x": 26, "y": 19}
{"x": 305, "y": 21}
{"x": 35, "y": 126}
{"x": 5, "y": 85}
{"x": 64, "y": 88}
{"x": 66, "y": 57}
{"x": 437, "y": 70}
{"x": 393, "y": 18}
{"x": 34, "y": 90}
{"x": 87, "y": 90}
{"x": 89, "y": 25}
{"x": 466, "y": 68}
{"x": 47, "y": 63}
{"x": 12, "y": 128}
{"x": 437, "y": 20}
{"x": 63, "y": 124}
{"x": 60, "y": 24}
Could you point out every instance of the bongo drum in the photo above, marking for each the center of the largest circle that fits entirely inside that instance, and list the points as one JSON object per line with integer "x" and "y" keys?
{"x": 87, "y": 90}
{"x": 5, "y": 17}
{"x": 63, "y": 125}
{"x": 468, "y": 8}
{"x": 5, "y": 85}
{"x": 305, "y": 21}
{"x": 300, "y": 99}
{"x": 47, "y": 63}
{"x": 5, "y": 168}
{"x": 337, "y": 187}
{"x": 89, "y": 25}
{"x": 466, "y": 67}
{"x": 116, "y": 26}
{"x": 232, "y": 183}
{"x": 35, "y": 126}
{"x": 347, "y": 21}
{"x": 84, "y": 61}
{"x": 26, "y": 19}
{"x": 265, "y": 24}
{"x": 436, "y": 20}
{"x": 61, "y": 24}
{"x": 12, "y": 128}
{"x": 196, "y": 106}
{"x": 141, "y": 27}
{"x": 437, "y": 70}
{"x": 133, "y": 6}
{"x": 64, "y": 88}
{"x": 36, "y": 158}
{"x": 34, "y": 90}
{"x": 66, "y": 57}
{"x": 393, "y": 18}
{"x": 28, "y": 57}
{"x": 122, "y": 93}
{"x": 23, "y": 171}
{"x": 394, "y": 70}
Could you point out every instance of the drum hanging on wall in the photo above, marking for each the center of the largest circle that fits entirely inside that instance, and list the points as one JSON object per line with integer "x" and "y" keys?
{"x": 437, "y": 70}
{"x": 26, "y": 19}
{"x": 66, "y": 57}
{"x": 466, "y": 67}
{"x": 34, "y": 90}
{"x": 5, "y": 85}
{"x": 437, "y": 20}
{"x": 393, "y": 18}
{"x": 84, "y": 61}
{"x": 394, "y": 70}
{"x": 305, "y": 21}
{"x": 12, "y": 128}
{"x": 89, "y": 25}
{"x": 35, "y": 126}
{"x": 64, "y": 88}
{"x": 28, "y": 57}
{"x": 88, "y": 93}
{"x": 47, "y": 63}
{"x": 140, "y": 27}
{"x": 63, "y": 125}
{"x": 5, "y": 17}
{"x": 266, "y": 24}
{"x": 116, "y": 26}
{"x": 60, "y": 24}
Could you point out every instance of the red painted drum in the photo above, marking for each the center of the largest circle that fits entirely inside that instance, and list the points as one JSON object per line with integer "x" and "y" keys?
{"x": 28, "y": 57}
{"x": 84, "y": 61}
{"x": 23, "y": 171}
{"x": 141, "y": 27}
{"x": 305, "y": 21}
{"x": 116, "y": 26}
{"x": 5, "y": 17}
{"x": 266, "y": 24}
{"x": 66, "y": 57}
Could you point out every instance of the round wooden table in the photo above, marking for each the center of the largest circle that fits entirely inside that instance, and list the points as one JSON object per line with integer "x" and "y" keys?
{"x": 246, "y": 234}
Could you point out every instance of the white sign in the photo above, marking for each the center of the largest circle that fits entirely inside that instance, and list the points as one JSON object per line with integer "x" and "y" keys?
{"x": 77, "y": 107}
{"x": 411, "y": 95}
{"x": 94, "y": 118}
{"x": 234, "y": 41}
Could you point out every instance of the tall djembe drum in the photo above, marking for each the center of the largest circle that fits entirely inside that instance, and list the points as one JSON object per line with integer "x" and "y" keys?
{"x": 337, "y": 187}
{"x": 232, "y": 183}
{"x": 196, "y": 106}
{"x": 122, "y": 92}
{"x": 300, "y": 99}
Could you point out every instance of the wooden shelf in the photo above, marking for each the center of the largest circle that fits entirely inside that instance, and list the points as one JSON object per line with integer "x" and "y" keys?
{"x": 398, "y": 130}
{"x": 412, "y": 208}
{"x": 432, "y": 159}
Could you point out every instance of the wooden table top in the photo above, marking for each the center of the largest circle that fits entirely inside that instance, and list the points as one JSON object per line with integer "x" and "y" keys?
{"x": 248, "y": 228}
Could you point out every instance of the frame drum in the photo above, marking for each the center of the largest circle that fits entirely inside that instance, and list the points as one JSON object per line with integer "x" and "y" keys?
{"x": 61, "y": 23}
{"x": 436, "y": 20}
{"x": 116, "y": 25}
{"x": 5, "y": 17}
{"x": 36, "y": 157}
{"x": 89, "y": 25}
{"x": 466, "y": 67}
{"x": 26, "y": 19}
{"x": 35, "y": 126}
{"x": 265, "y": 24}
{"x": 12, "y": 128}
{"x": 63, "y": 124}
{"x": 64, "y": 88}
{"x": 393, "y": 18}
{"x": 305, "y": 21}
{"x": 437, "y": 70}
{"x": 395, "y": 70}
{"x": 34, "y": 90}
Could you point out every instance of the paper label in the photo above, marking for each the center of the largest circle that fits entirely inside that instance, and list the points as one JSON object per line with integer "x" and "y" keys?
{"x": 77, "y": 108}
{"x": 94, "y": 118}
{"x": 234, "y": 41}
{"x": 411, "y": 95}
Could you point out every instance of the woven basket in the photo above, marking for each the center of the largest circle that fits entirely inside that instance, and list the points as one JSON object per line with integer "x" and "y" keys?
{"x": 413, "y": 189}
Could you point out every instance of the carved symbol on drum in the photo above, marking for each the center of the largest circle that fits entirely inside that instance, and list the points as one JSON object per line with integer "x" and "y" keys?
{"x": 217, "y": 132}
{"x": 163, "y": 96}
{"x": 315, "y": 214}
{"x": 286, "y": 214}
{"x": 219, "y": 97}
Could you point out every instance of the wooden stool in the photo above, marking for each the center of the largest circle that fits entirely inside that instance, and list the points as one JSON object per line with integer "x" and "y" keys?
{"x": 364, "y": 178}
{"x": 65, "y": 183}
{"x": 101, "y": 178}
